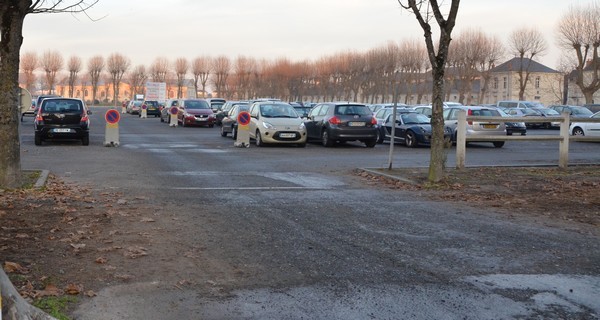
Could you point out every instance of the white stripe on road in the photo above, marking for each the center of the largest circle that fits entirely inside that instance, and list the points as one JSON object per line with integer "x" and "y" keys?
{"x": 249, "y": 188}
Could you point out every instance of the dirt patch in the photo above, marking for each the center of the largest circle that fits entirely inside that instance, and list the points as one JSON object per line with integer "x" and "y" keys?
{"x": 555, "y": 194}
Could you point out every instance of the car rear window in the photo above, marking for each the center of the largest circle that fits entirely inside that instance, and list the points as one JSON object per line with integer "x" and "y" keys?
{"x": 62, "y": 106}
{"x": 485, "y": 113}
{"x": 353, "y": 110}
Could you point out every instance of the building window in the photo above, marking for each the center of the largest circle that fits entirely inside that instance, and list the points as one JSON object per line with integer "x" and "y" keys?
{"x": 496, "y": 83}
{"x": 537, "y": 82}
{"x": 505, "y": 85}
{"x": 85, "y": 93}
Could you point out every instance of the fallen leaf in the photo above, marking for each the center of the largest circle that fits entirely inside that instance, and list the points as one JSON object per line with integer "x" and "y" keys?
{"x": 13, "y": 267}
{"x": 73, "y": 289}
{"x": 148, "y": 220}
{"x": 50, "y": 290}
{"x": 101, "y": 260}
{"x": 90, "y": 293}
{"x": 78, "y": 246}
{"x": 135, "y": 252}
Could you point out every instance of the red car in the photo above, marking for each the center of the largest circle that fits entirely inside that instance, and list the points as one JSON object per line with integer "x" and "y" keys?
{"x": 195, "y": 112}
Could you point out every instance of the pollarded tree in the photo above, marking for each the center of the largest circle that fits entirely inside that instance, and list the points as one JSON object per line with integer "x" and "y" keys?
{"x": 221, "y": 66}
{"x": 159, "y": 69}
{"x": 425, "y": 11}
{"x": 116, "y": 65}
{"x": 74, "y": 66}
{"x": 201, "y": 70}
{"x": 579, "y": 33}
{"x": 95, "y": 67}
{"x": 29, "y": 63}
{"x": 137, "y": 79}
{"x": 181, "y": 69}
{"x": 51, "y": 62}
{"x": 526, "y": 44}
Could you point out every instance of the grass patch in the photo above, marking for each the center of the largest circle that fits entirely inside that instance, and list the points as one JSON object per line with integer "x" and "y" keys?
{"x": 55, "y": 306}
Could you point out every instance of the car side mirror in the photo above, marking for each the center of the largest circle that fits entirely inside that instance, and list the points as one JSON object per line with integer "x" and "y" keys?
{"x": 89, "y": 112}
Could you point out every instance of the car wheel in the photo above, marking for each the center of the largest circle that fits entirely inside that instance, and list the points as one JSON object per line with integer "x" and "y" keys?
{"x": 411, "y": 139}
{"x": 85, "y": 140}
{"x": 234, "y": 133}
{"x": 577, "y": 131}
{"x": 380, "y": 136}
{"x": 258, "y": 139}
{"x": 498, "y": 144}
{"x": 223, "y": 133}
{"x": 371, "y": 143}
{"x": 325, "y": 140}
{"x": 162, "y": 119}
{"x": 37, "y": 140}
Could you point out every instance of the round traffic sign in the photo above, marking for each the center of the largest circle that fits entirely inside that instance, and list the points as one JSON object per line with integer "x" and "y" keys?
{"x": 243, "y": 118}
{"x": 112, "y": 116}
{"x": 144, "y": 106}
{"x": 173, "y": 110}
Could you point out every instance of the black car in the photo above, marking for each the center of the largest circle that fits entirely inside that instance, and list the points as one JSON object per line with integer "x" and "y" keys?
{"x": 62, "y": 118}
{"x": 333, "y": 122}
{"x": 225, "y": 110}
{"x": 412, "y": 129}
{"x": 152, "y": 108}
{"x": 229, "y": 122}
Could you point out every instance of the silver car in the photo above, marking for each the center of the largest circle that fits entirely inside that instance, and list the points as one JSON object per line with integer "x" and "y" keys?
{"x": 492, "y": 128}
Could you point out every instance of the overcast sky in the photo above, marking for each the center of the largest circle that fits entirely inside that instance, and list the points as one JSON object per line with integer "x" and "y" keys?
{"x": 297, "y": 29}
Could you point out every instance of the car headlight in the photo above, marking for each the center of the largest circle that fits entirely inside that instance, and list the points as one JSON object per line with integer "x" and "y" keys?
{"x": 301, "y": 126}
{"x": 267, "y": 125}
{"x": 185, "y": 114}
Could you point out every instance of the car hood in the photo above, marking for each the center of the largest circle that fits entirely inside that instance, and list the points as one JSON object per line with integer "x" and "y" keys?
{"x": 281, "y": 122}
{"x": 199, "y": 111}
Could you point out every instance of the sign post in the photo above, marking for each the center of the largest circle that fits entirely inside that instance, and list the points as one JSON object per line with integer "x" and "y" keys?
{"x": 111, "y": 136}
{"x": 144, "y": 111}
{"x": 173, "y": 116}
{"x": 243, "y": 137}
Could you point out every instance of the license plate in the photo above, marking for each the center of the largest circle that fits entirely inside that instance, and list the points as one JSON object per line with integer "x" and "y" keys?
{"x": 490, "y": 126}
{"x": 62, "y": 130}
{"x": 356, "y": 124}
{"x": 287, "y": 135}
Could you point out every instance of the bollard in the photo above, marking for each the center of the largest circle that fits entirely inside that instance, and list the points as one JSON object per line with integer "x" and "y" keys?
{"x": 111, "y": 136}
{"x": 144, "y": 111}
{"x": 243, "y": 135}
{"x": 173, "y": 116}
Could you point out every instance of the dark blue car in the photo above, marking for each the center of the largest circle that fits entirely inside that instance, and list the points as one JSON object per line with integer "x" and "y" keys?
{"x": 412, "y": 129}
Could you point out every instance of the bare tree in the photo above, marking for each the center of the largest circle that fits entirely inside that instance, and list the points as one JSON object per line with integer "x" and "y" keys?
{"x": 221, "y": 66}
{"x": 95, "y": 67}
{"x": 493, "y": 51}
{"x": 243, "y": 67}
{"x": 579, "y": 33}
{"x": 425, "y": 11}
{"x": 117, "y": 64}
{"x": 159, "y": 69}
{"x": 137, "y": 79}
{"x": 29, "y": 63}
{"x": 201, "y": 71}
{"x": 51, "y": 62}
{"x": 181, "y": 70}
{"x": 74, "y": 66}
{"x": 526, "y": 43}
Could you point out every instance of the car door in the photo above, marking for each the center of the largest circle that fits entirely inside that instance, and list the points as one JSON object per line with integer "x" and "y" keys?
{"x": 254, "y": 119}
{"x": 310, "y": 122}
{"x": 593, "y": 129}
{"x": 451, "y": 118}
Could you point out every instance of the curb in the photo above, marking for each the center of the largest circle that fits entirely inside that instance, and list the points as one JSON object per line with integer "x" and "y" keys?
{"x": 41, "y": 181}
{"x": 376, "y": 171}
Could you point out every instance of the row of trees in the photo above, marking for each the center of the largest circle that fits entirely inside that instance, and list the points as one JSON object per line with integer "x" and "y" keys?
{"x": 370, "y": 76}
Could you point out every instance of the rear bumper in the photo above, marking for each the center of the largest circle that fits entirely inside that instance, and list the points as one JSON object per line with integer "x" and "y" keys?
{"x": 352, "y": 134}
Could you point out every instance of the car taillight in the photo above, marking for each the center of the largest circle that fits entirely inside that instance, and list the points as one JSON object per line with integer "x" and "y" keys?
{"x": 470, "y": 113}
{"x": 38, "y": 118}
{"x": 84, "y": 117}
{"x": 335, "y": 120}
{"x": 373, "y": 121}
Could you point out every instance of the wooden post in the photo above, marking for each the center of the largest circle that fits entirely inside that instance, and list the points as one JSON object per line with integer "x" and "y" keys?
{"x": 461, "y": 139}
{"x": 563, "y": 152}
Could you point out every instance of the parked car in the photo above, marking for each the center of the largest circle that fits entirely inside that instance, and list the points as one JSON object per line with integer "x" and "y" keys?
{"x": 495, "y": 128}
{"x": 30, "y": 111}
{"x": 586, "y": 128}
{"x": 513, "y": 127}
{"x": 573, "y": 111}
{"x": 62, "y": 118}
{"x": 276, "y": 122}
{"x": 593, "y": 107}
{"x": 525, "y": 112}
{"x": 519, "y": 104}
{"x": 412, "y": 129}
{"x": 215, "y": 104}
{"x": 547, "y": 112}
{"x": 134, "y": 106}
{"x": 35, "y": 103}
{"x": 165, "y": 114}
{"x": 333, "y": 122}
{"x": 229, "y": 124}
{"x": 382, "y": 114}
{"x": 195, "y": 112}
{"x": 152, "y": 108}
{"x": 225, "y": 110}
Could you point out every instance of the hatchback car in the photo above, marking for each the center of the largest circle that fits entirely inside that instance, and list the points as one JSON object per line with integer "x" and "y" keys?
{"x": 591, "y": 129}
{"x": 276, "y": 122}
{"x": 195, "y": 112}
{"x": 573, "y": 111}
{"x": 165, "y": 115}
{"x": 412, "y": 129}
{"x": 62, "y": 118}
{"x": 333, "y": 122}
{"x": 487, "y": 128}
{"x": 229, "y": 123}
{"x": 152, "y": 108}
{"x": 134, "y": 106}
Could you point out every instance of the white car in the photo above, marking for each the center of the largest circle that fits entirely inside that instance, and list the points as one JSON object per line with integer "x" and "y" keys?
{"x": 276, "y": 122}
{"x": 591, "y": 129}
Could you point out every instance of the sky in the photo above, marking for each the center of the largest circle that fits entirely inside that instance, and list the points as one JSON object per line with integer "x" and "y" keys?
{"x": 299, "y": 30}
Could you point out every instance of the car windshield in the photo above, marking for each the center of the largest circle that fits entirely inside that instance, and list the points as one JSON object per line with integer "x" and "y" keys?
{"x": 352, "y": 110}
{"x": 415, "y": 118}
{"x": 137, "y": 103}
{"x": 549, "y": 112}
{"x": 485, "y": 113}
{"x": 62, "y": 106}
{"x": 196, "y": 104}
{"x": 278, "y": 111}
{"x": 532, "y": 104}
{"x": 151, "y": 103}
{"x": 530, "y": 112}
{"x": 581, "y": 111}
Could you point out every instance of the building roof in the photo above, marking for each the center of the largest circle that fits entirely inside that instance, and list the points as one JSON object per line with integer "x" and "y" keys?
{"x": 514, "y": 64}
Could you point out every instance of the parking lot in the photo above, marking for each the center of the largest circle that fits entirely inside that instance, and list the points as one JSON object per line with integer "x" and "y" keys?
{"x": 282, "y": 232}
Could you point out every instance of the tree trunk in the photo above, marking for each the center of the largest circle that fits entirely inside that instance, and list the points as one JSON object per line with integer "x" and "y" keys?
{"x": 14, "y": 306}
{"x": 12, "y": 15}
{"x": 438, "y": 152}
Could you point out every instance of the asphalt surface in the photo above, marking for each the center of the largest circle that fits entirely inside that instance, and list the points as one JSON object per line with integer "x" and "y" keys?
{"x": 291, "y": 233}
